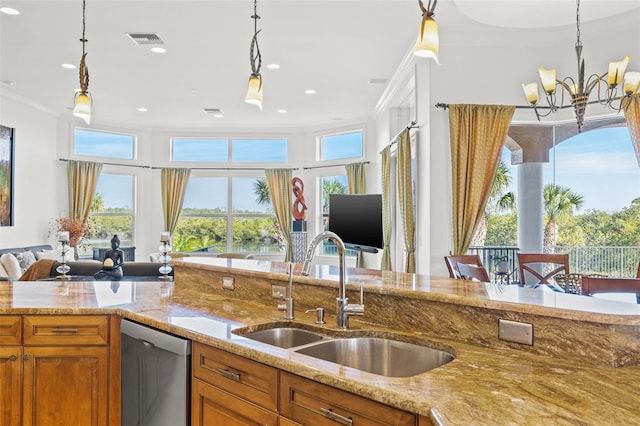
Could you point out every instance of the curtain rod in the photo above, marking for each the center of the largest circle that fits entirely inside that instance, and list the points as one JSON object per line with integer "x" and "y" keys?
{"x": 446, "y": 106}
{"x": 394, "y": 140}
{"x": 192, "y": 168}
{"x": 330, "y": 165}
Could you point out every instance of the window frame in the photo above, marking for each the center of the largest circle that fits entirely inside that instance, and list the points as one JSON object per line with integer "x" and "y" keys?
{"x": 337, "y": 132}
{"x": 109, "y": 130}
{"x": 230, "y": 138}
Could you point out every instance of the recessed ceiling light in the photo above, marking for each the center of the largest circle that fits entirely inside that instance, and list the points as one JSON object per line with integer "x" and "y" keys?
{"x": 310, "y": 92}
{"x": 194, "y": 90}
{"x": 9, "y": 11}
{"x": 143, "y": 109}
{"x": 282, "y": 111}
{"x": 68, "y": 66}
{"x": 8, "y": 82}
{"x": 158, "y": 50}
{"x": 273, "y": 66}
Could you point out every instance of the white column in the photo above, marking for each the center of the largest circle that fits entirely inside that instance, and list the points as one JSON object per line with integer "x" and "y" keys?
{"x": 530, "y": 208}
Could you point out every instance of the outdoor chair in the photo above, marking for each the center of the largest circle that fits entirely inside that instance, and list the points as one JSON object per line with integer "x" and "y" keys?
{"x": 452, "y": 263}
{"x": 540, "y": 268}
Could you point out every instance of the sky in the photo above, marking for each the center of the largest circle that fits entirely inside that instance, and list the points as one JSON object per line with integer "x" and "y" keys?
{"x": 600, "y": 165}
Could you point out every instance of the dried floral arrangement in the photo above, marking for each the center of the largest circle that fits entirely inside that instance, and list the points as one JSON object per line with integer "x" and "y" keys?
{"x": 77, "y": 228}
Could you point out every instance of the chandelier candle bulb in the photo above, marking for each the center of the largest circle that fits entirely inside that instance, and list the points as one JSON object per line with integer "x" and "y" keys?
{"x": 631, "y": 82}
{"x": 531, "y": 92}
{"x": 616, "y": 71}
{"x": 548, "y": 79}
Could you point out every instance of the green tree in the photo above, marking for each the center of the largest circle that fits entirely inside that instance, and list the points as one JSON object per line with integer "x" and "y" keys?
{"x": 558, "y": 202}
{"x": 261, "y": 191}
{"x": 499, "y": 201}
{"x": 331, "y": 186}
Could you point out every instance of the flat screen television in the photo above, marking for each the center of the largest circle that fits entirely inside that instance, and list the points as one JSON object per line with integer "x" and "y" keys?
{"x": 357, "y": 220}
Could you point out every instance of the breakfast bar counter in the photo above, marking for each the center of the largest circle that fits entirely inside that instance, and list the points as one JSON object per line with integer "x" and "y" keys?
{"x": 581, "y": 369}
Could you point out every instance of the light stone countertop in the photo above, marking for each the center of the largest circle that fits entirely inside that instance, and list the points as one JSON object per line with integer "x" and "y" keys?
{"x": 483, "y": 385}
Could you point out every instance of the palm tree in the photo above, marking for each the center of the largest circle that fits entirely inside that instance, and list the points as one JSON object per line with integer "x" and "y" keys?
{"x": 499, "y": 201}
{"x": 558, "y": 202}
{"x": 261, "y": 191}
{"x": 331, "y": 186}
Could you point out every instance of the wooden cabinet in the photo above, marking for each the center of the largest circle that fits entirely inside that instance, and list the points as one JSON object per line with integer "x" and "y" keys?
{"x": 312, "y": 403}
{"x": 67, "y": 369}
{"x": 231, "y": 390}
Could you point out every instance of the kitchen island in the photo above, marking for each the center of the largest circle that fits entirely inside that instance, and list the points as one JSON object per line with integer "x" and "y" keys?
{"x": 581, "y": 369}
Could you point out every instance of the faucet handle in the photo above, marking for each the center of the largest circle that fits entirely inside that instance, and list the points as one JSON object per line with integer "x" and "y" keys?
{"x": 362, "y": 292}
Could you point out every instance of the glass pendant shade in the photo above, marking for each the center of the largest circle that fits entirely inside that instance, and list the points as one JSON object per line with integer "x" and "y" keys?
{"x": 531, "y": 92}
{"x": 616, "y": 71}
{"x": 82, "y": 107}
{"x": 428, "y": 42}
{"x": 254, "y": 92}
{"x": 631, "y": 82}
{"x": 548, "y": 79}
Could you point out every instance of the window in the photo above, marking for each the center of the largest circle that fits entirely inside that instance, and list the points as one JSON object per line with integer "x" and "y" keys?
{"x": 112, "y": 211}
{"x": 103, "y": 144}
{"x": 226, "y": 150}
{"x": 341, "y": 146}
{"x": 208, "y": 224}
{"x": 331, "y": 185}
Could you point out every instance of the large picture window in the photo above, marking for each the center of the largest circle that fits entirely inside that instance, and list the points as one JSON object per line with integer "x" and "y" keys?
{"x": 224, "y": 150}
{"x": 207, "y": 223}
{"x": 112, "y": 211}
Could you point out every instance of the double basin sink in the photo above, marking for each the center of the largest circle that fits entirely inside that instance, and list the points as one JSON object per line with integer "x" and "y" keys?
{"x": 377, "y": 355}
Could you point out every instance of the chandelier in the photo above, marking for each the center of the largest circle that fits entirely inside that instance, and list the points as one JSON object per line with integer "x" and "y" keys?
{"x": 82, "y": 100}
{"x": 254, "y": 90}
{"x": 604, "y": 87}
{"x": 428, "y": 42}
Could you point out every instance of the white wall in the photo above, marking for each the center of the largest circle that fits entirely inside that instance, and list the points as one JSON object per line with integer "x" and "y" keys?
{"x": 35, "y": 173}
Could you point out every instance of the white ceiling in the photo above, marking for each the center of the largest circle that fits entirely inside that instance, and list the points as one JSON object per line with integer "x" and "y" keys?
{"x": 332, "y": 46}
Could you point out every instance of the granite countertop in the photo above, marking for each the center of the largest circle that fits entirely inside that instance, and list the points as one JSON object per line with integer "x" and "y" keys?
{"x": 481, "y": 386}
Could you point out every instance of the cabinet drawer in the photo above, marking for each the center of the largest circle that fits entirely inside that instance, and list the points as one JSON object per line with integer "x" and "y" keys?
{"x": 247, "y": 379}
{"x": 66, "y": 330}
{"x": 10, "y": 330}
{"x": 212, "y": 406}
{"x": 308, "y": 402}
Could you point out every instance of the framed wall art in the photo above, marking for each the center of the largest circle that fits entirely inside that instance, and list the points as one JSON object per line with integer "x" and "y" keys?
{"x": 7, "y": 135}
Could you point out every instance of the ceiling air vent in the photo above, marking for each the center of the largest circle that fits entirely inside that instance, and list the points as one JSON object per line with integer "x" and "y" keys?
{"x": 145, "y": 38}
{"x": 217, "y": 112}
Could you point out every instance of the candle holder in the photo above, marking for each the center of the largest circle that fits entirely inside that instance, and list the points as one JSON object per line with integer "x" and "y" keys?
{"x": 63, "y": 268}
{"x": 165, "y": 269}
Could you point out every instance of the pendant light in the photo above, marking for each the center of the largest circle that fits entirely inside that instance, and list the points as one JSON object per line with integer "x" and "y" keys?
{"x": 82, "y": 101}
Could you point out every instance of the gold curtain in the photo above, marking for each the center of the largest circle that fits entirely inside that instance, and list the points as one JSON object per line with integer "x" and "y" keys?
{"x": 405, "y": 196}
{"x": 385, "y": 264}
{"x": 279, "y": 181}
{"x": 632, "y": 114}
{"x": 173, "y": 185}
{"x": 478, "y": 133}
{"x": 83, "y": 177}
{"x": 357, "y": 182}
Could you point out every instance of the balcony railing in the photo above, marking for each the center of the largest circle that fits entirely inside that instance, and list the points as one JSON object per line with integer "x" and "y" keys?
{"x": 613, "y": 261}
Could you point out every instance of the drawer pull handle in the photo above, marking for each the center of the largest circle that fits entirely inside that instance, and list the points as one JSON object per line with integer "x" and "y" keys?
{"x": 65, "y": 330}
{"x": 25, "y": 357}
{"x": 13, "y": 357}
{"x": 328, "y": 412}
{"x": 229, "y": 374}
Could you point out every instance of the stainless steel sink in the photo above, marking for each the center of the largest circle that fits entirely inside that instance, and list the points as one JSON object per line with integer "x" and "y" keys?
{"x": 284, "y": 337}
{"x": 380, "y": 356}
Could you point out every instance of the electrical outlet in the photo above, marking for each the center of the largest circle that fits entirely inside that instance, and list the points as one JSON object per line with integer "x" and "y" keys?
{"x": 228, "y": 283}
{"x": 513, "y": 331}
{"x": 278, "y": 291}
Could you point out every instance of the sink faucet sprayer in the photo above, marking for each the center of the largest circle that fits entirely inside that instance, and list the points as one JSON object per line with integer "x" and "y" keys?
{"x": 344, "y": 309}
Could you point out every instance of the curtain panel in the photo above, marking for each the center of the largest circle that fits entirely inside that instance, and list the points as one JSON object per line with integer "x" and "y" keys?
{"x": 478, "y": 133}
{"x": 405, "y": 196}
{"x": 173, "y": 185}
{"x": 385, "y": 263}
{"x": 279, "y": 181}
{"x": 83, "y": 177}
{"x": 632, "y": 114}
{"x": 357, "y": 182}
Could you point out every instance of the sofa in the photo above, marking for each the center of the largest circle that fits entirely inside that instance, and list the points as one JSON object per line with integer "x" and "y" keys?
{"x": 47, "y": 268}
{"x": 15, "y": 260}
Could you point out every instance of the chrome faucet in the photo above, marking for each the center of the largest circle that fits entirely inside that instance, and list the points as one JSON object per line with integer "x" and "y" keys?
{"x": 344, "y": 309}
{"x": 287, "y": 302}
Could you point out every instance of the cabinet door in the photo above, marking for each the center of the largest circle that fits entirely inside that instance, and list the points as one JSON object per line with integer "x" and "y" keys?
{"x": 312, "y": 403}
{"x": 213, "y": 406}
{"x": 10, "y": 385}
{"x": 65, "y": 386}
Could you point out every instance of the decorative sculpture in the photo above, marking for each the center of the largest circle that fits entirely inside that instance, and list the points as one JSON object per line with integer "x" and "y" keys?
{"x": 112, "y": 264}
{"x": 299, "y": 207}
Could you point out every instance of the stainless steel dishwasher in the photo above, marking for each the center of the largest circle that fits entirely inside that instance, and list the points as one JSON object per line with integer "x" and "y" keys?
{"x": 155, "y": 377}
